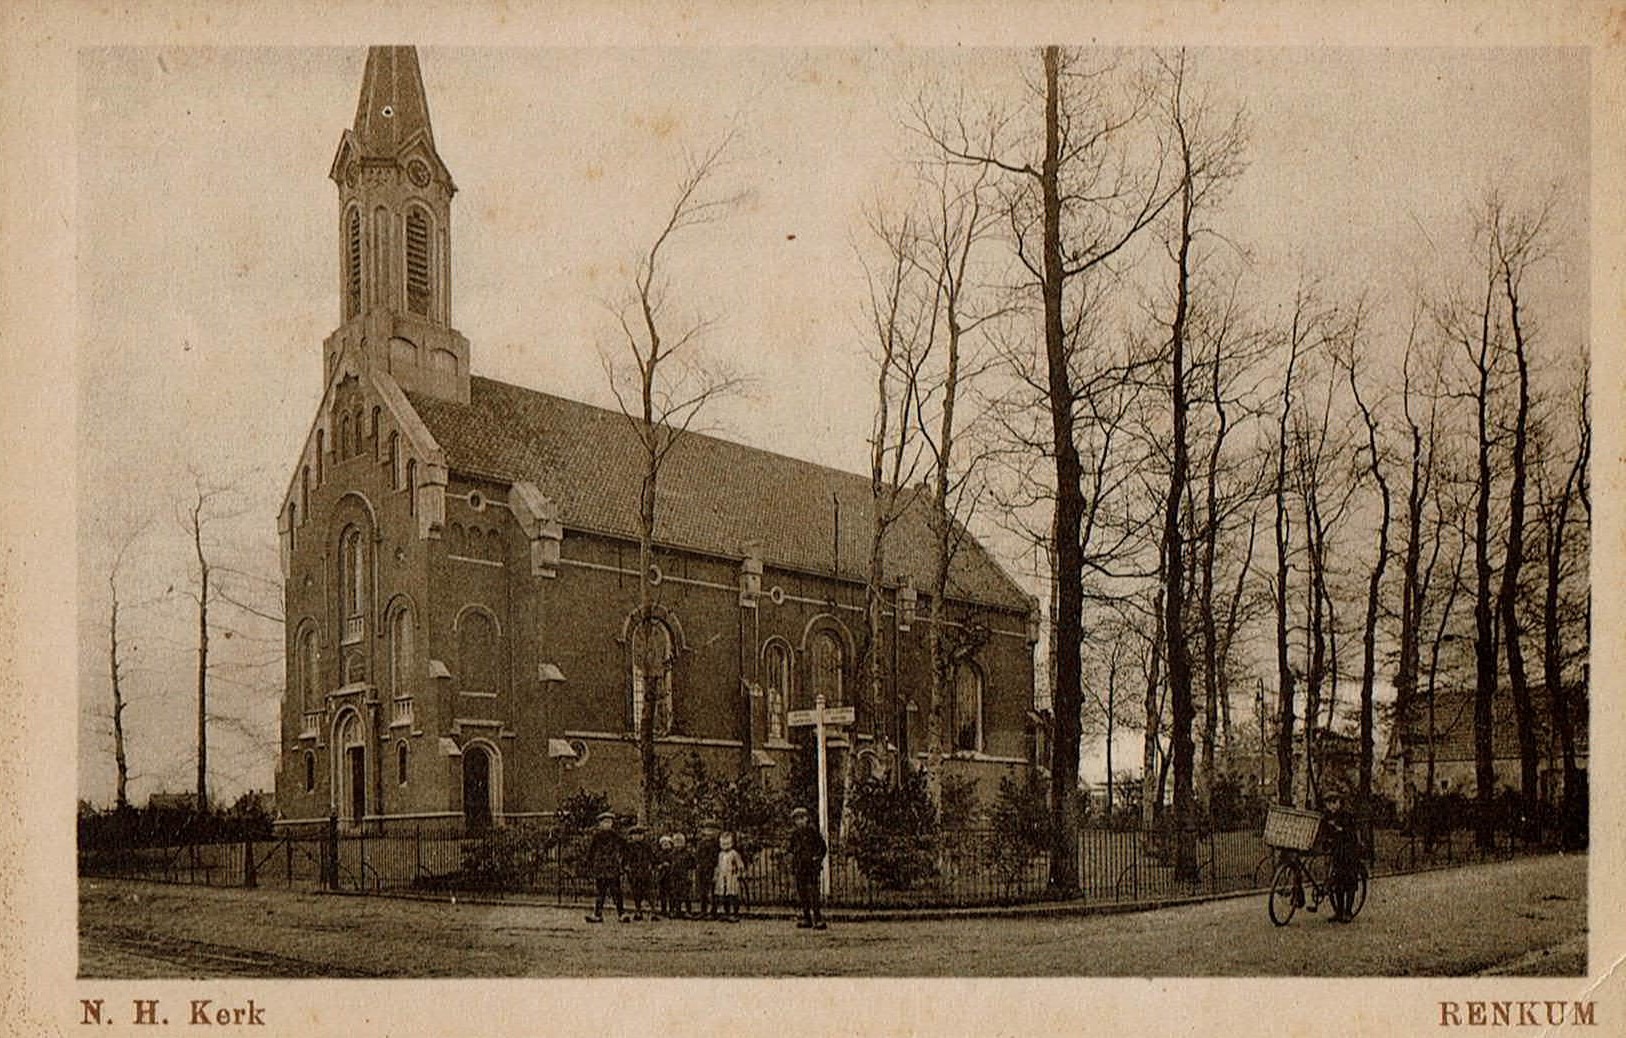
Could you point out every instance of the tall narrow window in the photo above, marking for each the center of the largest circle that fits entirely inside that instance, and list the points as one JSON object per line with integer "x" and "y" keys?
{"x": 344, "y": 437}
{"x": 967, "y": 709}
{"x": 352, "y": 582}
{"x": 305, "y": 490}
{"x": 352, "y": 264}
{"x": 306, "y": 672}
{"x": 776, "y": 690}
{"x": 372, "y": 442}
{"x": 477, "y": 652}
{"x": 417, "y": 261}
{"x": 412, "y": 485}
{"x": 401, "y": 653}
{"x": 401, "y": 763}
{"x": 293, "y": 526}
{"x": 395, "y": 461}
{"x": 652, "y": 673}
{"x": 382, "y": 289}
{"x": 321, "y": 449}
{"x": 827, "y": 668}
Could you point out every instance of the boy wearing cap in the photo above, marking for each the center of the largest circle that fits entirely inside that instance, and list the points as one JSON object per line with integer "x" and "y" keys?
{"x": 1344, "y": 857}
{"x": 807, "y": 851}
{"x": 640, "y": 859}
{"x": 706, "y": 849}
{"x": 606, "y": 851}
{"x": 681, "y": 875}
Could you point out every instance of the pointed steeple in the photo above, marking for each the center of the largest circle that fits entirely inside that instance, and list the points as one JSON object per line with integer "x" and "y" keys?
{"x": 395, "y": 224}
{"x": 392, "y": 108}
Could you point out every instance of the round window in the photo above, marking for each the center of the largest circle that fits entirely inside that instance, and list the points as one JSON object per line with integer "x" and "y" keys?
{"x": 477, "y": 501}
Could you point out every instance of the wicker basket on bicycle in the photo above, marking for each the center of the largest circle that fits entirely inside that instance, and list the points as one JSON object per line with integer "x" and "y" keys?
{"x": 1290, "y": 828}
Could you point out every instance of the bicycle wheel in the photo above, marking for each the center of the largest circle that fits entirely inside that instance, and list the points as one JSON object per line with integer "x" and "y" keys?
{"x": 1263, "y": 869}
{"x": 1286, "y": 893}
{"x": 1358, "y": 897}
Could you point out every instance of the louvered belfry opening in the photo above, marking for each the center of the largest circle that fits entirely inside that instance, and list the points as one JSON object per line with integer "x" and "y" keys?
{"x": 417, "y": 262}
{"x": 352, "y": 279}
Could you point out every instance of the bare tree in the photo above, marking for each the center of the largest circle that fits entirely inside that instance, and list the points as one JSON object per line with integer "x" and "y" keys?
{"x": 1084, "y": 201}
{"x": 1374, "y": 586}
{"x": 1554, "y": 507}
{"x": 662, "y": 388}
{"x": 116, "y": 668}
{"x": 901, "y": 320}
{"x": 1517, "y": 244}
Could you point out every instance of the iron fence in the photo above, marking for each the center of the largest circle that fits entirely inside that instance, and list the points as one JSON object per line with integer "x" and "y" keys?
{"x": 968, "y": 868}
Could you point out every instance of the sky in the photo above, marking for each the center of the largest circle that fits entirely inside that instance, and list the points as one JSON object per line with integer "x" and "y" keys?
{"x": 208, "y": 266}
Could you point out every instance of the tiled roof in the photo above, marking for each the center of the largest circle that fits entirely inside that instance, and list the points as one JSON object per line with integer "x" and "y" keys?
{"x": 714, "y": 496}
{"x": 1454, "y": 723}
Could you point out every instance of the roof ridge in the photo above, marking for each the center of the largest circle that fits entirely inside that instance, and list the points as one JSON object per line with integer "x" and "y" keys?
{"x": 614, "y": 413}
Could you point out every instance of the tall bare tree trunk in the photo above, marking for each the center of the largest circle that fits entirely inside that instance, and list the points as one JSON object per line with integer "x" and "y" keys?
{"x": 1369, "y": 631}
{"x": 1508, "y": 600}
{"x": 1284, "y": 664}
{"x": 1484, "y": 620}
{"x": 203, "y": 657}
{"x": 121, "y": 799}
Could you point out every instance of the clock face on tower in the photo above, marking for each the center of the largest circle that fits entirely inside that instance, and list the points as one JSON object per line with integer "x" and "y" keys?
{"x": 418, "y": 171}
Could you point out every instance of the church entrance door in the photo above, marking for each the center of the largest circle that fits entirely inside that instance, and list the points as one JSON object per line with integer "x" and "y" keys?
{"x": 477, "y": 788}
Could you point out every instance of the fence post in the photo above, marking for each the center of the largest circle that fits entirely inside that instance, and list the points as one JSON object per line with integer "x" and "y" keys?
{"x": 288, "y": 847}
{"x": 330, "y": 854}
{"x": 249, "y": 879}
{"x": 417, "y": 851}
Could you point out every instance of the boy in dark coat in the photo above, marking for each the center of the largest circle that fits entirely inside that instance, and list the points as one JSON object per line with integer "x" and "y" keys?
{"x": 640, "y": 860}
{"x": 706, "y": 849}
{"x": 807, "y": 851}
{"x": 606, "y": 851}
{"x": 663, "y": 874}
{"x": 681, "y": 875}
{"x": 1344, "y": 857}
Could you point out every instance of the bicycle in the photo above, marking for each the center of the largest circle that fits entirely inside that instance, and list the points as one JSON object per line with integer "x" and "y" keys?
{"x": 1292, "y": 833}
{"x": 1294, "y": 876}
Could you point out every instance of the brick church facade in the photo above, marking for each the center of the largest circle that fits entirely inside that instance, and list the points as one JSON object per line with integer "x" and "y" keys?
{"x": 461, "y": 576}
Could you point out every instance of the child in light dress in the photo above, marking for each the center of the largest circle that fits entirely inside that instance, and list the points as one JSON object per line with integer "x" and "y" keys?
{"x": 726, "y": 882}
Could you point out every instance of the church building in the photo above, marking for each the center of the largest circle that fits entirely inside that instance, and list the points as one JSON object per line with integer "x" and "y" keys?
{"x": 460, "y": 558}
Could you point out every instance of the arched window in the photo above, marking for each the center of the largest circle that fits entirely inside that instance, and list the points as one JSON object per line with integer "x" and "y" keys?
{"x": 352, "y": 264}
{"x": 321, "y": 449}
{"x": 306, "y": 670}
{"x": 967, "y": 719}
{"x": 417, "y": 261}
{"x": 401, "y": 633}
{"x": 412, "y": 485}
{"x": 775, "y": 690}
{"x": 477, "y": 652}
{"x": 310, "y": 771}
{"x": 344, "y": 437}
{"x": 305, "y": 490}
{"x": 372, "y": 442}
{"x": 358, "y": 431}
{"x": 454, "y": 540}
{"x": 828, "y": 664}
{"x": 652, "y": 673}
{"x": 395, "y": 461}
{"x": 401, "y": 763}
{"x": 293, "y": 525}
{"x": 352, "y": 579}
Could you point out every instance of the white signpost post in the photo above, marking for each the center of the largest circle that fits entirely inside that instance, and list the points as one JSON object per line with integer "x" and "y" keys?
{"x": 821, "y": 717}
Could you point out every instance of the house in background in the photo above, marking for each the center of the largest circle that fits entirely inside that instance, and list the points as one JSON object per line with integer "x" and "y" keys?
{"x": 461, "y": 563}
{"x": 1444, "y": 733}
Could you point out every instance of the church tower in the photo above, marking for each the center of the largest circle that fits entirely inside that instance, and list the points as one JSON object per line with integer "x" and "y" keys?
{"x": 395, "y": 198}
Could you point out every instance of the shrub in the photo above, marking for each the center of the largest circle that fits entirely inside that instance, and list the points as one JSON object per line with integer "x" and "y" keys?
{"x": 895, "y": 831}
{"x": 958, "y": 805}
{"x": 506, "y": 858}
{"x": 1022, "y": 825}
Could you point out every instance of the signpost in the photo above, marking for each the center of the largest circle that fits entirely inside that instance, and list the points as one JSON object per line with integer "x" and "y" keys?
{"x": 821, "y": 717}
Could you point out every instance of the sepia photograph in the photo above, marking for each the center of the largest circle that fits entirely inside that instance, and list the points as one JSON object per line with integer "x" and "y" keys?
{"x": 762, "y": 509}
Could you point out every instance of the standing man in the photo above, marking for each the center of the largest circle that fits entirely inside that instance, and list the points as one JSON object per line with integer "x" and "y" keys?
{"x": 606, "y": 855}
{"x": 706, "y": 849}
{"x": 807, "y": 851}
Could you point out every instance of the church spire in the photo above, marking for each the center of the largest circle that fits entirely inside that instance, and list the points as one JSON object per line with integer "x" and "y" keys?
{"x": 395, "y": 237}
{"x": 392, "y": 108}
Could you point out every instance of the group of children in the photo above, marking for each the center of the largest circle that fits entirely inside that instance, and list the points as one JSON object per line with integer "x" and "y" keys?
{"x": 669, "y": 877}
